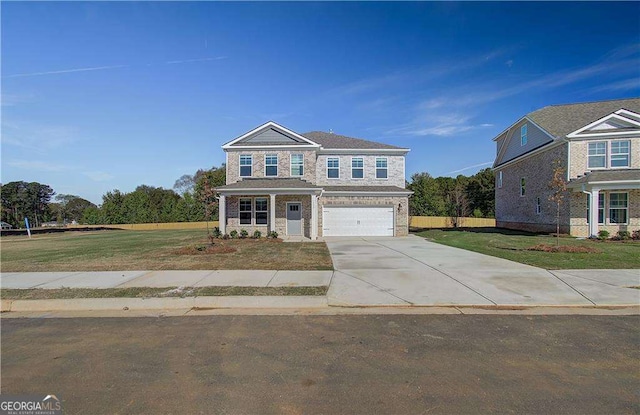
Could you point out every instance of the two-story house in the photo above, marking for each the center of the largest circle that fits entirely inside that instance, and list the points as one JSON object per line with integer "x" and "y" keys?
{"x": 598, "y": 146}
{"x": 313, "y": 185}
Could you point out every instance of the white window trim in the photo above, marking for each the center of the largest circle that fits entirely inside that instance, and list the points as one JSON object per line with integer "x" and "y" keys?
{"x": 386, "y": 168}
{"x": 254, "y": 210}
{"x": 240, "y": 199}
{"x": 628, "y": 166}
{"x": 608, "y": 209}
{"x": 271, "y": 165}
{"x": 500, "y": 179}
{"x": 327, "y": 164}
{"x": 524, "y": 138}
{"x": 240, "y": 165}
{"x": 607, "y": 154}
{"x": 291, "y": 164}
{"x": 523, "y": 186}
{"x": 363, "y": 174}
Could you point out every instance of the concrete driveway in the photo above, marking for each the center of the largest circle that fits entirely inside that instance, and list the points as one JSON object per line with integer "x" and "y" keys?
{"x": 413, "y": 271}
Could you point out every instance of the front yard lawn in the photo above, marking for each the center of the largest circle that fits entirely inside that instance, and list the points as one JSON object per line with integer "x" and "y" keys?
{"x": 115, "y": 250}
{"x": 515, "y": 246}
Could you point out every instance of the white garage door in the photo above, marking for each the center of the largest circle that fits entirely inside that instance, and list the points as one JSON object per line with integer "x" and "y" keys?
{"x": 357, "y": 221}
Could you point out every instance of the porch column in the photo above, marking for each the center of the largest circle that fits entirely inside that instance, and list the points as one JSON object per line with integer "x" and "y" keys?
{"x": 222, "y": 214}
{"x": 593, "y": 213}
{"x": 314, "y": 217}
{"x": 272, "y": 213}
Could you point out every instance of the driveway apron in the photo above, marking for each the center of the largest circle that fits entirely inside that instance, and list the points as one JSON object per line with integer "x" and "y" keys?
{"x": 413, "y": 271}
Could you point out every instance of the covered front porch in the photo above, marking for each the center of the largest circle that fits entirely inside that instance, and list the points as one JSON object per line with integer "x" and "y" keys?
{"x": 612, "y": 202}
{"x": 288, "y": 207}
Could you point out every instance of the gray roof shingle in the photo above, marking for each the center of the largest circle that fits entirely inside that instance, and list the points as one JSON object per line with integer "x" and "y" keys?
{"x": 606, "y": 176}
{"x": 337, "y": 141}
{"x": 560, "y": 120}
{"x": 286, "y": 183}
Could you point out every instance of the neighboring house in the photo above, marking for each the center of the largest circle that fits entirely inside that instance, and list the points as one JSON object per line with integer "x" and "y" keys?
{"x": 313, "y": 185}
{"x": 598, "y": 145}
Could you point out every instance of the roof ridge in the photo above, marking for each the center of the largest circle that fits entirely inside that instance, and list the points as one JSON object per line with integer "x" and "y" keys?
{"x": 586, "y": 102}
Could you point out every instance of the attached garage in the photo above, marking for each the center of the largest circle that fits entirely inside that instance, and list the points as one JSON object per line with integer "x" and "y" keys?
{"x": 357, "y": 220}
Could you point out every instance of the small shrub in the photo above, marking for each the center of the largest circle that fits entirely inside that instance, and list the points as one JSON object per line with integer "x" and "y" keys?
{"x": 257, "y": 234}
{"x": 273, "y": 235}
{"x": 233, "y": 234}
{"x": 243, "y": 233}
{"x": 602, "y": 235}
{"x": 635, "y": 235}
{"x": 216, "y": 233}
{"x": 623, "y": 235}
{"x": 226, "y": 236}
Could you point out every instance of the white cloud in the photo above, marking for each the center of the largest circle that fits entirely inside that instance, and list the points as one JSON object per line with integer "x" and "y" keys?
{"x": 40, "y": 138}
{"x": 486, "y": 163}
{"x": 96, "y": 68}
{"x": 98, "y": 176}
{"x": 37, "y": 165}
{"x": 624, "y": 85}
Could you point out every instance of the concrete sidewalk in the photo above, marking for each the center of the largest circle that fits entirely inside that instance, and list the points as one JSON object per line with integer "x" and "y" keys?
{"x": 161, "y": 279}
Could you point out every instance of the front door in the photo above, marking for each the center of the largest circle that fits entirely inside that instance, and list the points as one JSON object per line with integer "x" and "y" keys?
{"x": 294, "y": 218}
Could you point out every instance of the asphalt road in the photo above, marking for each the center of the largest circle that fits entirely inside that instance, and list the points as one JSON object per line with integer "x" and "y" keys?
{"x": 385, "y": 364}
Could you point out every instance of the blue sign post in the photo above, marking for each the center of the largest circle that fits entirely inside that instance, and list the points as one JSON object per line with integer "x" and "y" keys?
{"x": 26, "y": 222}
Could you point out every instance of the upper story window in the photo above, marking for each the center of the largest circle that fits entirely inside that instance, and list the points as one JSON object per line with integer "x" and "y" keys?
{"x": 297, "y": 165}
{"x": 333, "y": 167}
{"x": 271, "y": 165}
{"x": 620, "y": 153}
{"x": 357, "y": 168}
{"x": 523, "y": 135}
{"x": 381, "y": 167}
{"x": 246, "y": 164}
{"x": 597, "y": 155}
{"x": 616, "y": 156}
{"x": 522, "y": 186}
{"x": 500, "y": 179}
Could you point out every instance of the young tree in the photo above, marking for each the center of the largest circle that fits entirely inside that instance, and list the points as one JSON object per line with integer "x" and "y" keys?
{"x": 558, "y": 186}
{"x": 458, "y": 204}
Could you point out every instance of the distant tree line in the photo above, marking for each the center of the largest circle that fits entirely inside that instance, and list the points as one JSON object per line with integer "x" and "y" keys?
{"x": 462, "y": 196}
{"x": 192, "y": 199}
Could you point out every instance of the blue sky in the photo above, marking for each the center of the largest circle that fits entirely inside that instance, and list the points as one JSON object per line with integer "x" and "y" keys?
{"x": 110, "y": 95}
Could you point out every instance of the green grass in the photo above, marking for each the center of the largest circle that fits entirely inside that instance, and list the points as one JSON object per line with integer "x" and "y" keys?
{"x": 513, "y": 245}
{"x": 112, "y": 250}
{"x": 146, "y": 292}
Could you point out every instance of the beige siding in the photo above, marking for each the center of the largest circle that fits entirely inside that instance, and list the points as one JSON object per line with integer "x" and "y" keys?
{"x": 395, "y": 173}
{"x": 580, "y": 152}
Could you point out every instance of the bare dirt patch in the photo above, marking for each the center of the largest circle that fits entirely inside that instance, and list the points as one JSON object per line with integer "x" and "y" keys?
{"x": 573, "y": 249}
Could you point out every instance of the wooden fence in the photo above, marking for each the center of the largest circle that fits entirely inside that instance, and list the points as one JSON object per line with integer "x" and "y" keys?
{"x": 447, "y": 222}
{"x": 414, "y": 222}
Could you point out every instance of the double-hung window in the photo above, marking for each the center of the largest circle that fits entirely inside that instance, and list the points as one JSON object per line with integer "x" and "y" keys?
{"x": 271, "y": 165}
{"x": 381, "y": 167}
{"x": 262, "y": 210}
{"x": 522, "y": 186}
{"x": 523, "y": 135}
{"x": 357, "y": 168}
{"x": 500, "y": 179}
{"x": 538, "y": 206}
{"x": 601, "y": 204}
{"x": 333, "y": 167}
{"x": 297, "y": 165}
{"x": 245, "y": 211}
{"x": 618, "y": 208}
{"x": 597, "y": 155}
{"x": 246, "y": 163}
{"x": 620, "y": 153}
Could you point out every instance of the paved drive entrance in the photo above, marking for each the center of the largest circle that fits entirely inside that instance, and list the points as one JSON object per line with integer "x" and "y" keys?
{"x": 413, "y": 271}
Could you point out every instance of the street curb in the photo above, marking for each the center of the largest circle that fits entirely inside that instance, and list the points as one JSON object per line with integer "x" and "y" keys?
{"x": 169, "y": 303}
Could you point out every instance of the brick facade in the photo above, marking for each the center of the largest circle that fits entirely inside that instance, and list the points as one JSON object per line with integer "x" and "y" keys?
{"x": 395, "y": 171}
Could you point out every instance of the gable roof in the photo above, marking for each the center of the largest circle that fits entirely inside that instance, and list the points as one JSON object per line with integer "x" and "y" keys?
{"x": 560, "y": 120}
{"x": 270, "y": 134}
{"x": 337, "y": 141}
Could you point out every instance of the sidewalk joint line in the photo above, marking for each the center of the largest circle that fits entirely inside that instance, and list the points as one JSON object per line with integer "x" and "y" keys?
{"x": 585, "y": 278}
{"x": 58, "y": 279}
{"x": 574, "y": 289}
{"x": 442, "y": 272}
{"x": 374, "y": 285}
{"x": 274, "y": 275}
